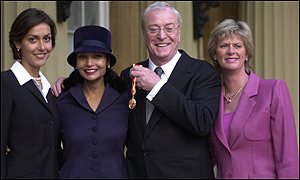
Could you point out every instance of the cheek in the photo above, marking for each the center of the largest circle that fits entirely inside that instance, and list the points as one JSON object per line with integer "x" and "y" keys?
{"x": 243, "y": 52}
{"x": 50, "y": 47}
{"x": 80, "y": 63}
{"x": 220, "y": 52}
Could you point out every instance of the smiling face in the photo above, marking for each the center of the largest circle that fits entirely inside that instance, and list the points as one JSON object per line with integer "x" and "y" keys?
{"x": 92, "y": 66}
{"x": 231, "y": 54}
{"x": 163, "y": 45}
{"x": 35, "y": 48}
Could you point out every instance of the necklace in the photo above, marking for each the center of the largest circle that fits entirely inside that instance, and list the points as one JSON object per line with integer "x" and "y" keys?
{"x": 37, "y": 79}
{"x": 230, "y": 98}
{"x": 38, "y": 82}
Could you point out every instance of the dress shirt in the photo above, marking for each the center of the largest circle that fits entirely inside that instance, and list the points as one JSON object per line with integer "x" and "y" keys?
{"x": 167, "y": 70}
{"x": 23, "y": 77}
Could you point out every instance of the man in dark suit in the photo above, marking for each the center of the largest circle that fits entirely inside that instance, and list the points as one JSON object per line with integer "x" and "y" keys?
{"x": 172, "y": 115}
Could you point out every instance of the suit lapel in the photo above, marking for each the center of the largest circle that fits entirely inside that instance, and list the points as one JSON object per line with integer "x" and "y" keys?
{"x": 109, "y": 96}
{"x": 35, "y": 91}
{"x": 178, "y": 77}
{"x": 244, "y": 109}
{"x": 218, "y": 127}
{"x": 181, "y": 72}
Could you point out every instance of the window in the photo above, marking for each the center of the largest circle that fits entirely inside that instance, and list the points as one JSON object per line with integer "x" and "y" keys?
{"x": 86, "y": 13}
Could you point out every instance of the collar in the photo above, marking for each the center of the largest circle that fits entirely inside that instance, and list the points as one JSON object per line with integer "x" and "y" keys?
{"x": 168, "y": 67}
{"x": 23, "y": 76}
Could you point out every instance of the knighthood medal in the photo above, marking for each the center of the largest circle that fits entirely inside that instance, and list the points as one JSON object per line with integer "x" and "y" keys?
{"x": 132, "y": 101}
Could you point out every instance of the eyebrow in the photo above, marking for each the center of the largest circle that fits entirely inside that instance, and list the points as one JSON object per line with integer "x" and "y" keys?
{"x": 38, "y": 36}
{"x": 163, "y": 25}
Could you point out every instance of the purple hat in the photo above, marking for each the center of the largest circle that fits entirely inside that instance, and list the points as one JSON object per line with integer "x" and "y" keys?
{"x": 92, "y": 39}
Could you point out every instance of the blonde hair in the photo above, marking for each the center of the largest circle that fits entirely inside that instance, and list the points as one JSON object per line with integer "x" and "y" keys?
{"x": 227, "y": 28}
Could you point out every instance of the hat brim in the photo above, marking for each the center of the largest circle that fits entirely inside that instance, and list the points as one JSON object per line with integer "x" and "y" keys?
{"x": 90, "y": 49}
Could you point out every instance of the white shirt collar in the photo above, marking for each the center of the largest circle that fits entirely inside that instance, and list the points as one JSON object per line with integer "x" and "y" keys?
{"x": 23, "y": 76}
{"x": 168, "y": 67}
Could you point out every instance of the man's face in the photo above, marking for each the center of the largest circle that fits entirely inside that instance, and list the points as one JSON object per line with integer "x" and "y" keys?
{"x": 162, "y": 35}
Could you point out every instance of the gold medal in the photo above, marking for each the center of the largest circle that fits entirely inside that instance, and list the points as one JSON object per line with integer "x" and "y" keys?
{"x": 132, "y": 101}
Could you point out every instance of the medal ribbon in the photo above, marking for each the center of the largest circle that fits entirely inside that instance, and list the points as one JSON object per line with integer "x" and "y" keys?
{"x": 132, "y": 101}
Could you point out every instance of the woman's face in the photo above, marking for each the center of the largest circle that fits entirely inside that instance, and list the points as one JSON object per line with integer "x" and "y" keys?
{"x": 35, "y": 47}
{"x": 91, "y": 66}
{"x": 231, "y": 53}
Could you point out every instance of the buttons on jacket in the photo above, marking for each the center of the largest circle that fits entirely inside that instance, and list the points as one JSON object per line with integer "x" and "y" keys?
{"x": 93, "y": 128}
{"x": 229, "y": 175}
{"x": 94, "y": 117}
{"x": 162, "y": 107}
{"x": 146, "y": 154}
{"x": 94, "y": 142}
{"x": 95, "y": 168}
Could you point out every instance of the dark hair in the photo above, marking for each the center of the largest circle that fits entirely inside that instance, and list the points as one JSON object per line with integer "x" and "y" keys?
{"x": 110, "y": 77}
{"x": 24, "y": 22}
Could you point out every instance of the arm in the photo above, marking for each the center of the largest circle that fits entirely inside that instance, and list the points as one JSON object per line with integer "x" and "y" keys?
{"x": 6, "y": 110}
{"x": 284, "y": 132}
{"x": 191, "y": 100}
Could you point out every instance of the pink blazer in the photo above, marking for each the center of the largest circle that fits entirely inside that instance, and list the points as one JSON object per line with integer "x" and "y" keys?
{"x": 262, "y": 141}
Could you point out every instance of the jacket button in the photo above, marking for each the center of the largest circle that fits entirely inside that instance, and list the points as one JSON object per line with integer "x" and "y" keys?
{"x": 229, "y": 175}
{"x": 95, "y": 168}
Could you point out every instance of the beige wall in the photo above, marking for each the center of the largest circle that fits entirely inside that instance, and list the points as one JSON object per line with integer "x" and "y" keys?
{"x": 275, "y": 27}
{"x": 56, "y": 64}
{"x": 276, "y": 37}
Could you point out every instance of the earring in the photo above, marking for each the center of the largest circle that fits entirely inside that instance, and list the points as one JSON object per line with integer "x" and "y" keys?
{"x": 18, "y": 49}
{"x": 246, "y": 59}
{"x": 108, "y": 66}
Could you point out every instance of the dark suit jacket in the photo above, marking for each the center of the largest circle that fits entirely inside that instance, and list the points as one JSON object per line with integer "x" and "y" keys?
{"x": 30, "y": 128}
{"x": 174, "y": 144}
{"x": 93, "y": 141}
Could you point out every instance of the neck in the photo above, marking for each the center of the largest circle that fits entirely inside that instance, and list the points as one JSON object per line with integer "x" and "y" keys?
{"x": 93, "y": 88}
{"x": 233, "y": 83}
{"x": 235, "y": 86}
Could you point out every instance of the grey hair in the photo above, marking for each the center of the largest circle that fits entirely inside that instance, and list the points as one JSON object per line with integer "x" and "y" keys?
{"x": 227, "y": 28}
{"x": 160, "y": 5}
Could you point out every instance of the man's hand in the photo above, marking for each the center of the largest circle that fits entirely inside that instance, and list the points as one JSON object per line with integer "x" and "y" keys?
{"x": 58, "y": 86}
{"x": 145, "y": 77}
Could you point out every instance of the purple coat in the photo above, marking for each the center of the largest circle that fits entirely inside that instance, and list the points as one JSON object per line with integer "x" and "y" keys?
{"x": 262, "y": 140}
{"x": 93, "y": 141}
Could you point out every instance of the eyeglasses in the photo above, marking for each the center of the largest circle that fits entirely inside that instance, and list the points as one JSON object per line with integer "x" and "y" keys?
{"x": 168, "y": 29}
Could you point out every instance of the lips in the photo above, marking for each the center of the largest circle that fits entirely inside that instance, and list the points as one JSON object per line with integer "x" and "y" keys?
{"x": 41, "y": 56}
{"x": 162, "y": 44}
{"x": 231, "y": 59}
{"x": 90, "y": 70}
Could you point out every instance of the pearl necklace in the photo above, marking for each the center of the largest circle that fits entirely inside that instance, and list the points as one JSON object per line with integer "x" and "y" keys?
{"x": 37, "y": 78}
{"x": 38, "y": 82}
{"x": 230, "y": 98}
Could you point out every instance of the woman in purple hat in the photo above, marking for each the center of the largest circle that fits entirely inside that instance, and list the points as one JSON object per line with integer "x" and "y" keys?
{"x": 93, "y": 110}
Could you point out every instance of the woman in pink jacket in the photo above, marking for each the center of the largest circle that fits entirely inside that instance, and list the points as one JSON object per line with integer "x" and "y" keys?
{"x": 254, "y": 134}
